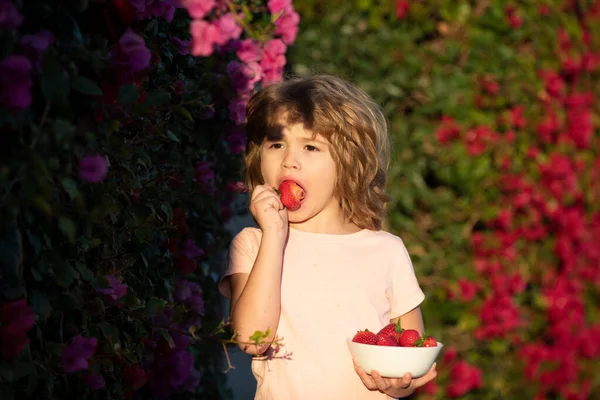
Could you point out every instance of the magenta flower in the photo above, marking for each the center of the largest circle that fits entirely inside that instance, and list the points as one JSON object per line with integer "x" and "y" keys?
{"x": 10, "y": 17}
{"x": 183, "y": 45}
{"x": 94, "y": 381}
{"x": 204, "y": 37}
{"x": 227, "y": 28}
{"x": 248, "y": 50}
{"x": 131, "y": 52}
{"x": 116, "y": 289}
{"x": 75, "y": 355}
{"x": 243, "y": 76}
{"x": 93, "y": 168}
{"x": 198, "y": 8}
{"x": 236, "y": 141}
{"x": 237, "y": 109}
{"x": 15, "y": 80}
{"x": 273, "y": 61}
{"x": 34, "y": 47}
{"x": 155, "y": 8}
{"x": 17, "y": 318}
{"x": 190, "y": 250}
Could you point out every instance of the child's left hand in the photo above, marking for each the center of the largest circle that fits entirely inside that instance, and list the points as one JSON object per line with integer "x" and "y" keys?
{"x": 394, "y": 387}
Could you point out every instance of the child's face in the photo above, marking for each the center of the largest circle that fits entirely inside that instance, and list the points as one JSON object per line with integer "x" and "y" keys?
{"x": 300, "y": 155}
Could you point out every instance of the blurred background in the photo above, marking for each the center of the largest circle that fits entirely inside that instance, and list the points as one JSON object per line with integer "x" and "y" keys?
{"x": 121, "y": 155}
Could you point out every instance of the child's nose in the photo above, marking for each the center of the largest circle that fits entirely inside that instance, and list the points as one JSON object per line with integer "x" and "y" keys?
{"x": 291, "y": 160}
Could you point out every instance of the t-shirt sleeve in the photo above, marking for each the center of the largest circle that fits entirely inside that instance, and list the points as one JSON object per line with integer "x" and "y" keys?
{"x": 406, "y": 293}
{"x": 242, "y": 255}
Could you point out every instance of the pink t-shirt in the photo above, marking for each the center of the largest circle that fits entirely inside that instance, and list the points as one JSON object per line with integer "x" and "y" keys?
{"x": 332, "y": 286}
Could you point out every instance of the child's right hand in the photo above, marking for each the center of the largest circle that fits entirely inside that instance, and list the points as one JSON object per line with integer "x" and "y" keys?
{"x": 267, "y": 209}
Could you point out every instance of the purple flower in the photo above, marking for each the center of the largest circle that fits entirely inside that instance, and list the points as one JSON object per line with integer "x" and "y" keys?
{"x": 236, "y": 141}
{"x": 204, "y": 175}
{"x": 94, "y": 381}
{"x": 155, "y": 8}
{"x": 93, "y": 168}
{"x": 190, "y": 294}
{"x": 172, "y": 367}
{"x": 75, "y": 355}
{"x": 191, "y": 250}
{"x": 10, "y": 17}
{"x": 248, "y": 50}
{"x": 131, "y": 52}
{"x": 34, "y": 47}
{"x": 15, "y": 80}
{"x": 116, "y": 289}
{"x": 198, "y": 8}
{"x": 193, "y": 381}
{"x": 183, "y": 45}
{"x": 228, "y": 29}
{"x": 237, "y": 109}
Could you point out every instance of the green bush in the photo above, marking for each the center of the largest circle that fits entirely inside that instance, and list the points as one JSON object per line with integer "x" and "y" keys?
{"x": 120, "y": 160}
{"x": 494, "y": 181}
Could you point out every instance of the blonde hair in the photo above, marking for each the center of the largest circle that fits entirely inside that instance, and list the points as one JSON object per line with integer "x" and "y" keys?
{"x": 348, "y": 118}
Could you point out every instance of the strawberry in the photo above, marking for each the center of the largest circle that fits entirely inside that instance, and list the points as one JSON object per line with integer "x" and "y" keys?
{"x": 408, "y": 338}
{"x": 429, "y": 342}
{"x": 365, "y": 337}
{"x": 291, "y": 194}
{"x": 393, "y": 330}
{"x": 386, "y": 340}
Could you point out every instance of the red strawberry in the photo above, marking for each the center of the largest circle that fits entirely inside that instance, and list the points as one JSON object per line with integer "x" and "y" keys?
{"x": 429, "y": 342}
{"x": 365, "y": 337}
{"x": 291, "y": 194}
{"x": 408, "y": 338}
{"x": 393, "y": 330}
{"x": 386, "y": 340}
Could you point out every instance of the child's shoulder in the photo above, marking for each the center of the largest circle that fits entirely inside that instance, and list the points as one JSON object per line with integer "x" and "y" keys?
{"x": 249, "y": 233}
{"x": 387, "y": 238}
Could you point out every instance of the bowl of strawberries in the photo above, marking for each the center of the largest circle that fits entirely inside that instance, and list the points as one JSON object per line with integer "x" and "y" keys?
{"x": 394, "y": 351}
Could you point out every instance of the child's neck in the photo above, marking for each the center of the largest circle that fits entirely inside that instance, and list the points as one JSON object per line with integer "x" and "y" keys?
{"x": 330, "y": 227}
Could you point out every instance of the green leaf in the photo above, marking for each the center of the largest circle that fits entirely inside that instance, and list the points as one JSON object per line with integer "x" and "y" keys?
{"x": 157, "y": 97}
{"x": 85, "y": 272}
{"x": 10, "y": 249}
{"x": 154, "y": 306}
{"x": 86, "y": 86}
{"x": 54, "y": 348}
{"x": 172, "y": 136}
{"x": 110, "y": 332}
{"x": 259, "y": 336}
{"x": 65, "y": 273}
{"x": 68, "y": 227}
{"x": 40, "y": 304}
{"x": 70, "y": 187}
{"x": 167, "y": 336}
{"x": 184, "y": 112}
{"x": 128, "y": 93}
{"x": 55, "y": 84}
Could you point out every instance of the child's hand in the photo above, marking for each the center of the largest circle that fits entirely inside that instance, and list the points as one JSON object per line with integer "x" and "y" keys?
{"x": 267, "y": 209}
{"x": 394, "y": 387}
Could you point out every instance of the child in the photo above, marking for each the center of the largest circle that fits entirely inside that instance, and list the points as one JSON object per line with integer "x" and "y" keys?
{"x": 317, "y": 275}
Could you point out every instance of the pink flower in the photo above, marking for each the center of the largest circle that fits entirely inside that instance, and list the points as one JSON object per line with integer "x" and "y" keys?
{"x": 248, "y": 51}
{"x": 75, "y": 355}
{"x": 287, "y": 25}
{"x": 17, "y": 318}
{"x": 10, "y": 17}
{"x": 468, "y": 289}
{"x": 116, "y": 290}
{"x": 93, "y": 168}
{"x": 228, "y": 29}
{"x": 273, "y": 61}
{"x": 34, "y": 47}
{"x": 276, "y": 6}
{"x": 15, "y": 80}
{"x": 131, "y": 53}
{"x": 198, "y": 8}
{"x": 204, "y": 37}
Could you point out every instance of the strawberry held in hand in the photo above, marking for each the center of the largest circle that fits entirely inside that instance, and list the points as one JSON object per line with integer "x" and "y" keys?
{"x": 291, "y": 194}
{"x": 393, "y": 330}
{"x": 365, "y": 337}
{"x": 408, "y": 338}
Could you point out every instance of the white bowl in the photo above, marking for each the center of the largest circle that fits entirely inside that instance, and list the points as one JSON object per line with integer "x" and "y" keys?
{"x": 394, "y": 362}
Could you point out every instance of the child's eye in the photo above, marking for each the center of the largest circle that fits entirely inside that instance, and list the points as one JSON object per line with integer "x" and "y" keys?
{"x": 311, "y": 148}
{"x": 276, "y": 146}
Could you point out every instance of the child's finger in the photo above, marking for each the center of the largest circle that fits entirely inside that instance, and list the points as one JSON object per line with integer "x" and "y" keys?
{"x": 366, "y": 379}
{"x": 382, "y": 383}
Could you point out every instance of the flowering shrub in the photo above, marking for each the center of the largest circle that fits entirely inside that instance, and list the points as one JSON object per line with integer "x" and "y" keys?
{"x": 121, "y": 156}
{"x": 494, "y": 111}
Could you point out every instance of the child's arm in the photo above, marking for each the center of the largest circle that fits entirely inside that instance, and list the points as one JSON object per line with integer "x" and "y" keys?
{"x": 412, "y": 320}
{"x": 256, "y": 297}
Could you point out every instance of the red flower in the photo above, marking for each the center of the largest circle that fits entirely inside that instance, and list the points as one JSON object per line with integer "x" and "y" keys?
{"x": 18, "y": 318}
{"x": 134, "y": 376}
{"x": 512, "y": 16}
{"x": 402, "y": 8}
{"x": 464, "y": 378}
{"x": 179, "y": 221}
{"x": 447, "y": 131}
